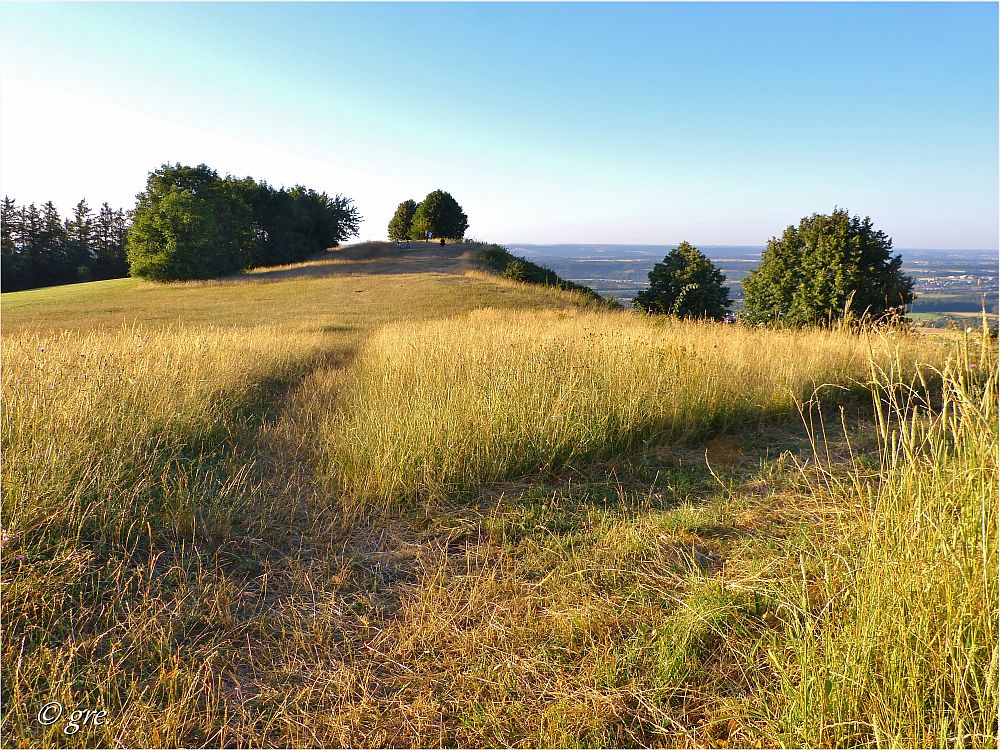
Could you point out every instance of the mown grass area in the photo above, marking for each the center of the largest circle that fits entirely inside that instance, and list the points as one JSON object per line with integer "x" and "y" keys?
{"x": 400, "y": 519}
{"x": 350, "y": 304}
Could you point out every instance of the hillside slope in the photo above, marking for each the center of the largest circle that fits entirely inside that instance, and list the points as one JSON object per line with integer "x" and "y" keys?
{"x": 386, "y": 499}
{"x": 350, "y": 289}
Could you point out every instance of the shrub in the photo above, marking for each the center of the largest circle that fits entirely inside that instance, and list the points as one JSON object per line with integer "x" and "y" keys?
{"x": 516, "y": 271}
{"x": 498, "y": 258}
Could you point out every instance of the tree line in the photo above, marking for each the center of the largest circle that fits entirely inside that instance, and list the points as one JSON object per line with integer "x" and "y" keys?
{"x": 190, "y": 223}
{"x": 39, "y": 248}
{"x": 825, "y": 268}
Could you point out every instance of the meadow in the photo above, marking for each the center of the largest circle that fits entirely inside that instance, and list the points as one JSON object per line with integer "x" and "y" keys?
{"x": 406, "y": 509}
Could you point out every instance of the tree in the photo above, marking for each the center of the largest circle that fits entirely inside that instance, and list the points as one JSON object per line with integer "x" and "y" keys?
{"x": 333, "y": 219}
{"x": 286, "y": 228}
{"x": 50, "y": 249}
{"x": 825, "y": 266}
{"x": 687, "y": 284}
{"x": 110, "y": 229}
{"x": 12, "y": 266}
{"x": 344, "y": 218}
{"x": 441, "y": 215}
{"x": 402, "y": 220}
{"x": 39, "y": 249}
{"x": 79, "y": 242}
{"x": 188, "y": 225}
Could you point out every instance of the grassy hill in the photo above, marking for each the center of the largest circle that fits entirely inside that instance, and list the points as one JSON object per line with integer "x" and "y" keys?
{"x": 390, "y": 498}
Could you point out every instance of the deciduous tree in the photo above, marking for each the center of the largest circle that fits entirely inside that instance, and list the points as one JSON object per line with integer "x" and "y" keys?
{"x": 401, "y": 221}
{"x": 440, "y": 214}
{"x": 188, "y": 225}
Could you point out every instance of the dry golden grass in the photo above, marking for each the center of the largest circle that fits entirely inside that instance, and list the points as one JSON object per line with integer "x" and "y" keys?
{"x": 129, "y": 467}
{"x": 496, "y": 529}
{"x": 101, "y": 428}
{"x": 438, "y": 409}
{"x": 891, "y": 635}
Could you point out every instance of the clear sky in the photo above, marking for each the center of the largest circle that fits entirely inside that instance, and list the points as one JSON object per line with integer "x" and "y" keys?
{"x": 648, "y": 123}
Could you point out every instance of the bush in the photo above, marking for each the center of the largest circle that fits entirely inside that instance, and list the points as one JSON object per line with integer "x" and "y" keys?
{"x": 516, "y": 271}
{"x": 498, "y": 258}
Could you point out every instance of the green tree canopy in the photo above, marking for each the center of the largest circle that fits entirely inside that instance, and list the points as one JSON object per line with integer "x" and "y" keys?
{"x": 333, "y": 218}
{"x": 824, "y": 266}
{"x": 230, "y": 224}
{"x": 441, "y": 215}
{"x": 687, "y": 284}
{"x": 402, "y": 220}
{"x": 188, "y": 224}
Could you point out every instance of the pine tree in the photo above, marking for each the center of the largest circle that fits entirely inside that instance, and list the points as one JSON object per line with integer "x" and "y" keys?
{"x": 79, "y": 241}
{"x": 11, "y": 260}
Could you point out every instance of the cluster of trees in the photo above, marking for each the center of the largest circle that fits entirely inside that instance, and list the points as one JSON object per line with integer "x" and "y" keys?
{"x": 39, "y": 248}
{"x": 825, "y": 268}
{"x": 192, "y": 224}
{"x": 438, "y": 215}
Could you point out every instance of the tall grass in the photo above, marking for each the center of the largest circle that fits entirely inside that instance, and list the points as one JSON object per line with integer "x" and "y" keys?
{"x": 154, "y": 564}
{"x": 437, "y": 409}
{"x": 129, "y": 464}
{"x": 107, "y": 431}
{"x": 892, "y": 636}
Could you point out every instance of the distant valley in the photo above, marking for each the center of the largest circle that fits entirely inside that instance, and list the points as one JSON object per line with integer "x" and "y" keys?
{"x": 949, "y": 283}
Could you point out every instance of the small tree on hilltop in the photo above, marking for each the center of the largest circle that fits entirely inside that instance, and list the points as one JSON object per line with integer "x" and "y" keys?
{"x": 687, "y": 284}
{"x": 825, "y": 266}
{"x": 401, "y": 221}
{"x": 441, "y": 215}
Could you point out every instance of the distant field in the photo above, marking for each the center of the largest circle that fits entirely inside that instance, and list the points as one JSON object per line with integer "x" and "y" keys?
{"x": 385, "y": 499}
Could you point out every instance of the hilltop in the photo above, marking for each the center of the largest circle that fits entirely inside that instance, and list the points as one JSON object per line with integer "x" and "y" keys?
{"x": 355, "y": 287}
{"x": 390, "y": 497}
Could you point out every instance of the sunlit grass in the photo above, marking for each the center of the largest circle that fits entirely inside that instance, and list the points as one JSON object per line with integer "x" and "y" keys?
{"x": 129, "y": 456}
{"x": 891, "y": 636}
{"x": 492, "y": 528}
{"x": 434, "y": 409}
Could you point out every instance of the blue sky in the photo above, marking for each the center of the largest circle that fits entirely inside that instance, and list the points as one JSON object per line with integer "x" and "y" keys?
{"x": 650, "y": 123}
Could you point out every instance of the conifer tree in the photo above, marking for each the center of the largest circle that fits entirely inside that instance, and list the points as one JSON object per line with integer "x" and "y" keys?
{"x": 827, "y": 265}
{"x": 686, "y": 284}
